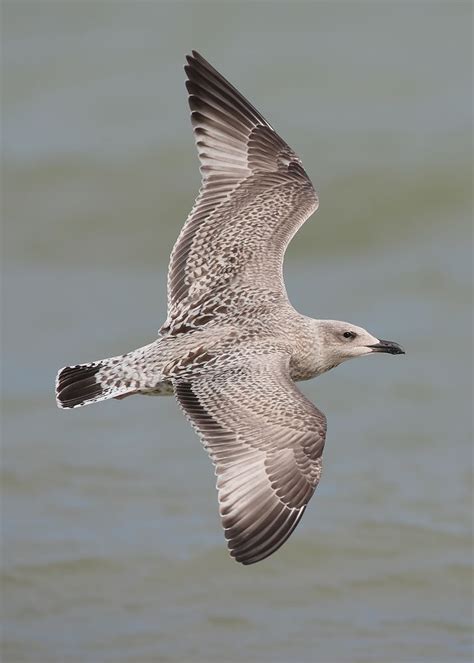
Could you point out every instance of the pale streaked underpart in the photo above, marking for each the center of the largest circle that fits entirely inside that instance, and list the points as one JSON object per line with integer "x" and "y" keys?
{"x": 232, "y": 346}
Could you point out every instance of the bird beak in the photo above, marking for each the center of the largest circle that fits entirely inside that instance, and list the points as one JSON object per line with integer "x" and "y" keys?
{"x": 389, "y": 347}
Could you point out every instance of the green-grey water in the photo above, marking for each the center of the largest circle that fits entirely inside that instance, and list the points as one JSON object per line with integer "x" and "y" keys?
{"x": 111, "y": 545}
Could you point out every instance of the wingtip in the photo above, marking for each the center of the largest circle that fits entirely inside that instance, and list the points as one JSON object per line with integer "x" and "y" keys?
{"x": 193, "y": 57}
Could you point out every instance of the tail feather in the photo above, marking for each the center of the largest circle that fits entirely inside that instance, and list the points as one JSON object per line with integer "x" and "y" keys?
{"x": 78, "y": 385}
{"x": 116, "y": 377}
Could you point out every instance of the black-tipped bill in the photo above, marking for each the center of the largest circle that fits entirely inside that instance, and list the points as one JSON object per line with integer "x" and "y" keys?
{"x": 390, "y": 347}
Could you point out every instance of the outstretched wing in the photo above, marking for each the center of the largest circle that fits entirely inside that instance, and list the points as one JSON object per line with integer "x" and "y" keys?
{"x": 266, "y": 442}
{"x": 254, "y": 196}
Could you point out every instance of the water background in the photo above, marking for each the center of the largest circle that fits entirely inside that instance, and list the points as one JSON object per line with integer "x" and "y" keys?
{"x": 111, "y": 544}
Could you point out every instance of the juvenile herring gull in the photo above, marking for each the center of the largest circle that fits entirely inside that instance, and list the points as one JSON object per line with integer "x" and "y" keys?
{"x": 232, "y": 346}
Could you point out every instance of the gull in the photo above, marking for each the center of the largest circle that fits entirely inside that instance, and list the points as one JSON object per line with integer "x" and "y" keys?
{"x": 233, "y": 347}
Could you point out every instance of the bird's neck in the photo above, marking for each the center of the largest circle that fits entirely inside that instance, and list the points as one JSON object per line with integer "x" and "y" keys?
{"x": 308, "y": 358}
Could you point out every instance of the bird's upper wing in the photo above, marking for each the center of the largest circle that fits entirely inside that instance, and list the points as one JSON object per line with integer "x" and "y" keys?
{"x": 254, "y": 196}
{"x": 265, "y": 440}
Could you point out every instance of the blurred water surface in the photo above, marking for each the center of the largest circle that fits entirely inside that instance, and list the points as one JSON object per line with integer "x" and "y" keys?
{"x": 112, "y": 550}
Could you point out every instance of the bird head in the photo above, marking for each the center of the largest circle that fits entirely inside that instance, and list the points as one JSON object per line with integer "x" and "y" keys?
{"x": 342, "y": 340}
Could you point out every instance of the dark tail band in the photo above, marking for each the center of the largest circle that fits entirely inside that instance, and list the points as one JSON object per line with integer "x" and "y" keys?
{"x": 77, "y": 384}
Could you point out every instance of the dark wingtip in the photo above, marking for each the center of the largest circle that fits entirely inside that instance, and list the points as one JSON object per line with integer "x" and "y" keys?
{"x": 193, "y": 57}
{"x": 76, "y": 384}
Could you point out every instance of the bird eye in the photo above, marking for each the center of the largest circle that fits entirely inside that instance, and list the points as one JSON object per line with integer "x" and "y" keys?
{"x": 349, "y": 334}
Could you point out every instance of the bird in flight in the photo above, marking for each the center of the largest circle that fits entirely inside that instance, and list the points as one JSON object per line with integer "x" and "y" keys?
{"x": 233, "y": 347}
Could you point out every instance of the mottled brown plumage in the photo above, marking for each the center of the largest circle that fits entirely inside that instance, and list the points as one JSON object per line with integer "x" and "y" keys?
{"x": 254, "y": 196}
{"x": 265, "y": 439}
{"x": 233, "y": 346}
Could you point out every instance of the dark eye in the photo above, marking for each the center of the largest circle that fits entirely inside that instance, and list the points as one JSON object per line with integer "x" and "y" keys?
{"x": 349, "y": 334}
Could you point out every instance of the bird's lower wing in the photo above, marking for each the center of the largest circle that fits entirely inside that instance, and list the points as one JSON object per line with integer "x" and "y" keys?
{"x": 266, "y": 442}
